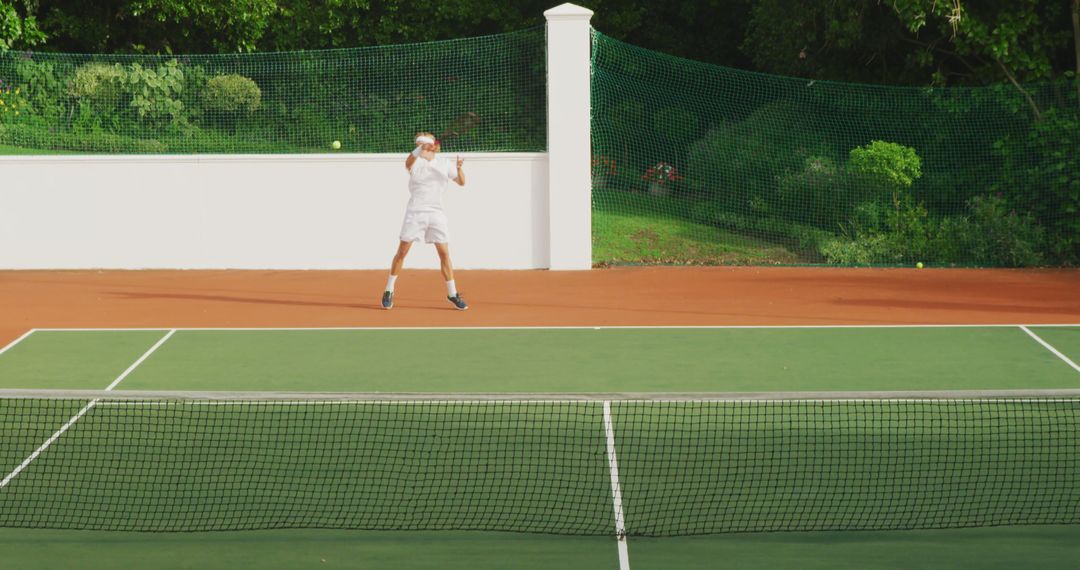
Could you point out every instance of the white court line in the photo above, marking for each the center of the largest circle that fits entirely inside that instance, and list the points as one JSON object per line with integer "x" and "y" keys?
{"x": 48, "y": 442}
{"x": 616, "y": 491}
{"x": 605, "y": 327}
{"x": 1050, "y": 348}
{"x": 17, "y": 341}
{"x": 55, "y": 436}
{"x": 140, "y": 360}
{"x": 510, "y": 401}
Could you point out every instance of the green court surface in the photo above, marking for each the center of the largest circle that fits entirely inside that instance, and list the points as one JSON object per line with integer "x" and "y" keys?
{"x": 550, "y": 360}
{"x": 72, "y": 360}
{"x": 1049, "y": 547}
{"x": 570, "y": 443}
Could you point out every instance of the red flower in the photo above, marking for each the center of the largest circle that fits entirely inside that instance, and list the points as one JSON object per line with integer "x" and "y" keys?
{"x": 662, "y": 173}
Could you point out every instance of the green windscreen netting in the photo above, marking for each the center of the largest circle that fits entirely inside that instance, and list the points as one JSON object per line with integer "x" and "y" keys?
{"x": 696, "y": 163}
{"x": 482, "y": 94}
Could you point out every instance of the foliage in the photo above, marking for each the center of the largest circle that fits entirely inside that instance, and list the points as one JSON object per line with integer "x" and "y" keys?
{"x": 709, "y": 30}
{"x": 846, "y": 40}
{"x": 13, "y": 103}
{"x": 891, "y": 164}
{"x": 155, "y": 26}
{"x": 914, "y": 42}
{"x": 1016, "y": 38}
{"x": 18, "y": 31}
{"x": 155, "y": 93}
{"x": 151, "y": 94}
{"x": 184, "y": 26}
{"x": 992, "y": 234}
{"x": 737, "y": 164}
{"x": 99, "y": 85}
{"x": 40, "y": 83}
{"x": 989, "y": 234}
{"x": 232, "y": 95}
{"x": 814, "y": 193}
{"x": 1042, "y": 176}
{"x": 884, "y": 168}
{"x": 40, "y": 137}
{"x": 900, "y": 232}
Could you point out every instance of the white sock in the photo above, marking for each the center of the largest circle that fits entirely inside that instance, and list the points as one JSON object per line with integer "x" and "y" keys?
{"x": 451, "y": 289}
{"x": 390, "y": 283}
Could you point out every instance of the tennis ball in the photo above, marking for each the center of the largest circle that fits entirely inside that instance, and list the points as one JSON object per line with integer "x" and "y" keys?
{"x": 336, "y": 145}
{"x": 918, "y": 265}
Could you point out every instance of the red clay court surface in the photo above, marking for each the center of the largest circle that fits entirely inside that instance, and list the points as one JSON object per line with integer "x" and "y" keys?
{"x": 622, "y": 296}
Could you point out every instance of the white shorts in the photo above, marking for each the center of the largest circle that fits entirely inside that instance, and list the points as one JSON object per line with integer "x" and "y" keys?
{"x": 432, "y": 227}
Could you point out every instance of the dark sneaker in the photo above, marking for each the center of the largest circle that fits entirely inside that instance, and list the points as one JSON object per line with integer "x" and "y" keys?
{"x": 458, "y": 302}
{"x": 387, "y": 299}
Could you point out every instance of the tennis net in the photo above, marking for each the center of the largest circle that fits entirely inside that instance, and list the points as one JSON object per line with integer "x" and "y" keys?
{"x": 681, "y": 465}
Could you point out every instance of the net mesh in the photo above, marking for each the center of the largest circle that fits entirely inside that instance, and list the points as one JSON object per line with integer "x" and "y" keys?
{"x": 697, "y": 163}
{"x": 691, "y": 466}
{"x": 482, "y": 94}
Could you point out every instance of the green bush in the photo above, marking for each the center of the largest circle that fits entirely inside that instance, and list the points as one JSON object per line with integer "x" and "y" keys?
{"x": 992, "y": 234}
{"x": 39, "y": 137}
{"x": 232, "y": 95}
{"x": 989, "y": 234}
{"x": 814, "y": 194}
{"x": 1042, "y": 176}
{"x": 738, "y": 165}
{"x": 881, "y": 168}
{"x": 895, "y": 233}
{"x": 99, "y": 85}
{"x": 155, "y": 93}
{"x": 14, "y": 106}
{"x": 40, "y": 85}
{"x": 191, "y": 92}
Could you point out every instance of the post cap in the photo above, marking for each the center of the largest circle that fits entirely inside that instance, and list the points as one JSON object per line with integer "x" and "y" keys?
{"x": 568, "y": 11}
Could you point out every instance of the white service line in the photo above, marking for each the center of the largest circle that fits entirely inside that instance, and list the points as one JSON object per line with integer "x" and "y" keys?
{"x": 1050, "y": 348}
{"x": 616, "y": 491}
{"x": 55, "y": 436}
{"x": 17, "y": 341}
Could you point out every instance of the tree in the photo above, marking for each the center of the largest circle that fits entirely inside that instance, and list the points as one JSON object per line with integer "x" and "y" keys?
{"x": 843, "y": 40}
{"x": 17, "y": 30}
{"x": 1076, "y": 44}
{"x": 187, "y": 26}
{"x": 915, "y": 42}
{"x": 154, "y": 26}
{"x": 1016, "y": 39}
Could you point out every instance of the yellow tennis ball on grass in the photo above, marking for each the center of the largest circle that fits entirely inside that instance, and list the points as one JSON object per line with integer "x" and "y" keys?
{"x": 918, "y": 265}
{"x": 336, "y": 145}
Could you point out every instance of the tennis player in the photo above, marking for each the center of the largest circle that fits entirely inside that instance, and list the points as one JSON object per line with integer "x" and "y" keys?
{"x": 424, "y": 216}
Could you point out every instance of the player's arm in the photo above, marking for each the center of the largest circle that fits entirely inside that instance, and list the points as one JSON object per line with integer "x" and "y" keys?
{"x": 460, "y": 178}
{"x": 422, "y": 143}
{"x": 411, "y": 159}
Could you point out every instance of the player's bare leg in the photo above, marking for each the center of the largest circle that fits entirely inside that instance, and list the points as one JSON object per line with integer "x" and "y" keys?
{"x": 447, "y": 268}
{"x": 395, "y": 269}
{"x": 399, "y": 257}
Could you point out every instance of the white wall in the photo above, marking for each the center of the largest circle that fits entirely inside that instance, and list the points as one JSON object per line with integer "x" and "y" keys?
{"x": 339, "y": 211}
{"x": 332, "y": 211}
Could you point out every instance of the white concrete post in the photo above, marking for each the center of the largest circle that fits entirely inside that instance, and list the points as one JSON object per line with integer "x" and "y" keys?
{"x": 569, "y": 45}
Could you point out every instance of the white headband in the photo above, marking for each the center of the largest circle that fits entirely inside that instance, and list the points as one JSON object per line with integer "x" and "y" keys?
{"x": 425, "y": 139}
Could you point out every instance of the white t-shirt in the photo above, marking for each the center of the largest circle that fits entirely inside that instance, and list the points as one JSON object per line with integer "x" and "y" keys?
{"x": 427, "y": 183}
